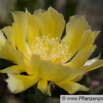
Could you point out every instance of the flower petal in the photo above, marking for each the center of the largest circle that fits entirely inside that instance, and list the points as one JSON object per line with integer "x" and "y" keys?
{"x": 61, "y": 72}
{"x": 17, "y": 54}
{"x": 65, "y": 73}
{"x": 20, "y": 30}
{"x": 90, "y": 61}
{"x": 9, "y": 32}
{"x": 16, "y": 69}
{"x": 81, "y": 57}
{"x": 78, "y": 78}
{"x": 2, "y": 37}
{"x": 50, "y": 21}
{"x": 72, "y": 87}
{"x": 44, "y": 87}
{"x": 88, "y": 39}
{"x": 35, "y": 64}
{"x": 19, "y": 83}
{"x": 4, "y": 52}
{"x": 95, "y": 65}
{"x": 47, "y": 69}
{"x": 33, "y": 27}
{"x": 38, "y": 12}
{"x": 74, "y": 31}
{"x": 43, "y": 69}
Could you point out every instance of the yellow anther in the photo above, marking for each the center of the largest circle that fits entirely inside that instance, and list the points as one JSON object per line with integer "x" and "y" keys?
{"x": 49, "y": 49}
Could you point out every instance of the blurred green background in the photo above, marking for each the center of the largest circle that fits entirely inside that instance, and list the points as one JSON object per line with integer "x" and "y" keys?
{"x": 91, "y": 9}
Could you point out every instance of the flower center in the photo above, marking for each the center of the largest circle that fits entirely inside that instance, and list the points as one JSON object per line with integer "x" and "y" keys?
{"x": 49, "y": 49}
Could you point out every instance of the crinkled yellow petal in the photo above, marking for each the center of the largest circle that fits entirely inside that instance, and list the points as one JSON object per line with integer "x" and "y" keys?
{"x": 87, "y": 39}
{"x": 78, "y": 78}
{"x": 9, "y": 32}
{"x": 17, "y": 54}
{"x": 2, "y": 37}
{"x": 38, "y": 12}
{"x": 95, "y": 65}
{"x": 74, "y": 31}
{"x": 51, "y": 22}
{"x": 80, "y": 58}
{"x": 42, "y": 84}
{"x": 20, "y": 30}
{"x": 19, "y": 83}
{"x": 35, "y": 64}
{"x": 16, "y": 69}
{"x": 44, "y": 87}
{"x": 72, "y": 87}
{"x": 90, "y": 61}
{"x": 65, "y": 73}
{"x": 61, "y": 72}
{"x": 47, "y": 69}
{"x": 33, "y": 27}
{"x": 43, "y": 69}
{"x": 74, "y": 75}
{"x": 4, "y": 52}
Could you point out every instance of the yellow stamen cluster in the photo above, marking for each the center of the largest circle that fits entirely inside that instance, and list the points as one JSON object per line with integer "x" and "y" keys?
{"x": 49, "y": 49}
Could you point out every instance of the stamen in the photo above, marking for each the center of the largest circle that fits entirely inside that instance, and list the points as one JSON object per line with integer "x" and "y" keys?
{"x": 49, "y": 49}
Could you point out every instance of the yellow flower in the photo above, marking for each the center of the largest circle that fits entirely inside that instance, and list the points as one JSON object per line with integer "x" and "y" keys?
{"x": 33, "y": 44}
